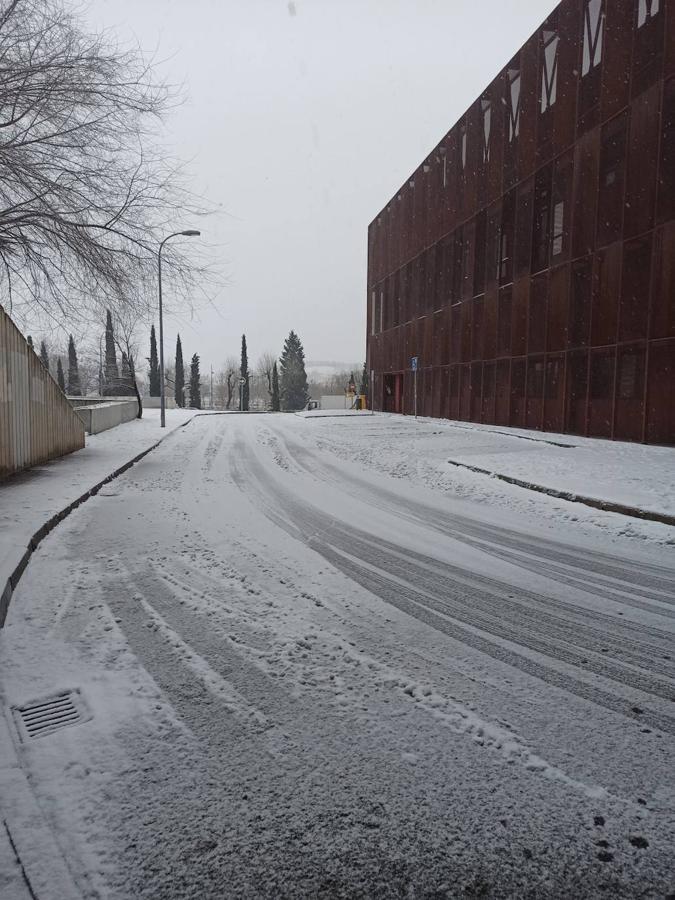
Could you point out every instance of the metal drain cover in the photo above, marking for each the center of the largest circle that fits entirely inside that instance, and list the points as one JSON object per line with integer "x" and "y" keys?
{"x": 40, "y": 717}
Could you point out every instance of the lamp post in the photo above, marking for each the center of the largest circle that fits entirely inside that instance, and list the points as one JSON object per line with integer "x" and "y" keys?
{"x": 191, "y": 232}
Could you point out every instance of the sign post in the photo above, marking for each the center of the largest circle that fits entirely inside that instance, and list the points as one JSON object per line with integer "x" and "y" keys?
{"x": 413, "y": 366}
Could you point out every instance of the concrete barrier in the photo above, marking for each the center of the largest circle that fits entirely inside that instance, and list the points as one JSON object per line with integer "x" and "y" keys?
{"x": 153, "y": 402}
{"x": 102, "y": 416}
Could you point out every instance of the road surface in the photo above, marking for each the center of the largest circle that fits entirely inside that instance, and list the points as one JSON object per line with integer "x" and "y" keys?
{"x": 311, "y": 680}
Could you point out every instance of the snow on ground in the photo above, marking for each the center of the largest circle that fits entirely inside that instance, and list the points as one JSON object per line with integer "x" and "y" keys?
{"x": 323, "y": 663}
{"x": 417, "y": 452}
{"x": 30, "y": 498}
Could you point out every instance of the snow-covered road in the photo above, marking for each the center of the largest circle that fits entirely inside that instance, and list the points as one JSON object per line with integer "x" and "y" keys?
{"x": 316, "y": 677}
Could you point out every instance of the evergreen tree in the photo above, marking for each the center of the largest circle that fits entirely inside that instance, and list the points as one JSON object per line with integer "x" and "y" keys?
{"x": 195, "y": 386}
{"x": 276, "y": 406}
{"x": 179, "y": 377}
{"x": 243, "y": 373}
{"x": 364, "y": 387}
{"x": 44, "y": 356}
{"x": 154, "y": 365}
{"x": 59, "y": 375}
{"x": 29, "y": 341}
{"x": 112, "y": 375}
{"x": 293, "y": 377}
{"x": 74, "y": 388}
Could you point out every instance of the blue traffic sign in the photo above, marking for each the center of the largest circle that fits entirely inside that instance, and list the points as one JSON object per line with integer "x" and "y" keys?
{"x": 413, "y": 363}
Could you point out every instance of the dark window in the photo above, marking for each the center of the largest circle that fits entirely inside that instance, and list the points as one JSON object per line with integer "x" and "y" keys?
{"x": 458, "y": 267}
{"x": 593, "y": 22}
{"x": 507, "y": 239}
{"x": 602, "y": 374}
{"x": 535, "y": 379}
{"x": 513, "y": 102}
{"x": 553, "y": 378}
{"x": 646, "y": 11}
{"x": 524, "y": 229}
{"x": 462, "y": 145}
{"x": 479, "y": 254}
{"x": 562, "y": 187}
{"x": 541, "y": 232}
{"x": 580, "y": 302}
{"x": 612, "y": 177}
{"x": 666, "y": 201}
{"x": 549, "y": 69}
{"x": 504, "y": 323}
{"x": 630, "y": 373}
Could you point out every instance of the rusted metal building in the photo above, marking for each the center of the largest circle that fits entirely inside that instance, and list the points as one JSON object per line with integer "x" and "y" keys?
{"x": 529, "y": 262}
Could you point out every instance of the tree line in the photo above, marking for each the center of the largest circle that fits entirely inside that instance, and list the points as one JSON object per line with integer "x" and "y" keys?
{"x": 282, "y": 382}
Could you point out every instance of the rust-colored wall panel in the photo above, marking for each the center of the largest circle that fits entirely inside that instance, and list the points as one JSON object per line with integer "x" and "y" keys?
{"x": 660, "y": 406}
{"x": 606, "y": 293}
{"x": 617, "y": 48}
{"x": 643, "y": 148}
{"x": 662, "y": 320}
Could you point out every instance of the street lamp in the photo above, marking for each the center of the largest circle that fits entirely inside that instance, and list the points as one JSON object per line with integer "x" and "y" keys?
{"x": 191, "y": 232}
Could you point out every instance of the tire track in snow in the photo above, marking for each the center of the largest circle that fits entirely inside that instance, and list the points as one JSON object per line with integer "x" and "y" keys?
{"x": 318, "y": 531}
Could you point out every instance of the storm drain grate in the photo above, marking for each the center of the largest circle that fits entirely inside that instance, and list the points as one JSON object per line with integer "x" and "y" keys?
{"x": 40, "y": 717}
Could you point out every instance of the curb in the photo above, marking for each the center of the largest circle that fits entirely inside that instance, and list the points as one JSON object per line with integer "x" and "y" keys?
{"x": 50, "y": 524}
{"x": 605, "y": 505}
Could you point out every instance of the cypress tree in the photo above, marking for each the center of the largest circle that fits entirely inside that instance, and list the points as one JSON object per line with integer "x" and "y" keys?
{"x": 243, "y": 373}
{"x": 74, "y": 388}
{"x": 154, "y": 365}
{"x": 29, "y": 341}
{"x": 276, "y": 406}
{"x": 195, "y": 387}
{"x": 293, "y": 377}
{"x": 363, "y": 387}
{"x": 59, "y": 375}
{"x": 44, "y": 356}
{"x": 112, "y": 374}
{"x": 179, "y": 377}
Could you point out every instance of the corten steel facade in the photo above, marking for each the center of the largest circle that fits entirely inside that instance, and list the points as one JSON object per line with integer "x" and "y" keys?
{"x": 529, "y": 262}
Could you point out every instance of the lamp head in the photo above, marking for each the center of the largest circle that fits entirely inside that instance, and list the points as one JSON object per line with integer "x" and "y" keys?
{"x": 191, "y": 232}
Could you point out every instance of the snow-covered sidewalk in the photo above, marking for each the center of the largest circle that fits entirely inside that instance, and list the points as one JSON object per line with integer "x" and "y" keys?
{"x": 32, "y": 498}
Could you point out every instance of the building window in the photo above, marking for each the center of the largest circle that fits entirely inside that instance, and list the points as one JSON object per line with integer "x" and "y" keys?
{"x": 372, "y": 312}
{"x": 647, "y": 10}
{"x": 462, "y": 142}
{"x": 486, "y": 109}
{"x": 381, "y": 311}
{"x": 558, "y": 233}
{"x": 513, "y": 103}
{"x": 549, "y": 69}
{"x": 541, "y": 233}
{"x": 593, "y": 21}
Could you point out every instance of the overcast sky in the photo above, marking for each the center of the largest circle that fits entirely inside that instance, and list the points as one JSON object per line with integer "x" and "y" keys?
{"x": 301, "y": 120}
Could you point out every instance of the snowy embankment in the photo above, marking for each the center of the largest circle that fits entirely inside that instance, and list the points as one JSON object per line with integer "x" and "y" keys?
{"x": 438, "y": 454}
{"x": 30, "y": 499}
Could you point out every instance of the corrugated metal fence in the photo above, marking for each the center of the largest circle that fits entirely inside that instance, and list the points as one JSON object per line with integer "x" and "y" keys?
{"x": 37, "y": 423}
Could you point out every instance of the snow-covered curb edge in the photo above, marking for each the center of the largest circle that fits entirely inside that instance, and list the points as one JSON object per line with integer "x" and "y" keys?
{"x": 51, "y": 523}
{"x": 605, "y": 505}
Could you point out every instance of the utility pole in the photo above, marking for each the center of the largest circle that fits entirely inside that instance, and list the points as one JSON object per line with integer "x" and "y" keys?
{"x": 211, "y": 394}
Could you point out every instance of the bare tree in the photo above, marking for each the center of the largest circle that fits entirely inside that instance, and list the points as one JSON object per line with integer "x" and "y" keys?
{"x": 85, "y": 197}
{"x": 264, "y": 368}
{"x": 230, "y": 375}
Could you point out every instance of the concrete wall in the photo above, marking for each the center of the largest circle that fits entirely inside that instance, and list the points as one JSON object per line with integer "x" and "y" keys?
{"x": 103, "y": 416}
{"x": 36, "y": 421}
{"x": 334, "y": 401}
{"x": 153, "y": 402}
